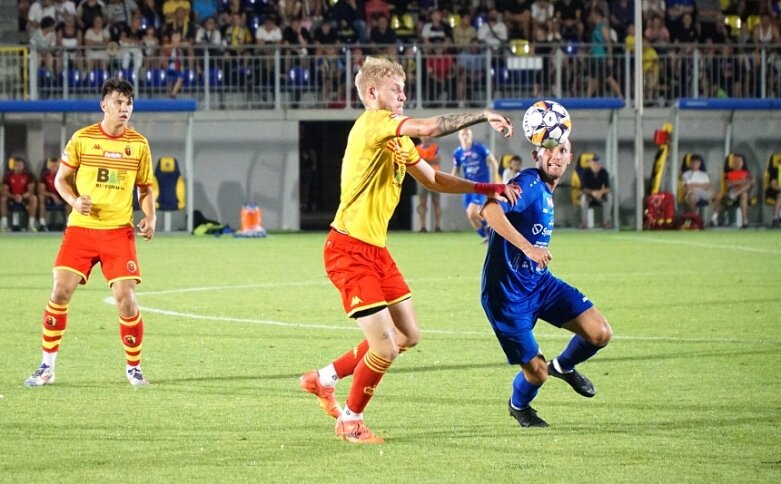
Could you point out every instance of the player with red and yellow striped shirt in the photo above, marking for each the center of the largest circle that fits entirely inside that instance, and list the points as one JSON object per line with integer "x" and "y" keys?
{"x": 101, "y": 166}
{"x": 379, "y": 154}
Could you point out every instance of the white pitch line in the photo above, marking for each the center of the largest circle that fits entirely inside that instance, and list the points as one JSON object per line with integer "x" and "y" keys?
{"x": 449, "y": 332}
{"x": 731, "y": 248}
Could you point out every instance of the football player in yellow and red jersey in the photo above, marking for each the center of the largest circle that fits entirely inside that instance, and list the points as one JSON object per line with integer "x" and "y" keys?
{"x": 379, "y": 153}
{"x": 101, "y": 166}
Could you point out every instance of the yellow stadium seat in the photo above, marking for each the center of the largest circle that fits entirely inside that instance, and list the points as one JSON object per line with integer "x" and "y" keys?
{"x": 734, "y": 24}
{"x": 520, "y": 47}
{"x": 751, "y": 22}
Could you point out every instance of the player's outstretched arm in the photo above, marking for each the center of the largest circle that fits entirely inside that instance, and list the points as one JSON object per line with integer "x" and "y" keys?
{"x": 438, "y": 126}
{"x": 494, "y": 215}
{"x": 438, "y": 181}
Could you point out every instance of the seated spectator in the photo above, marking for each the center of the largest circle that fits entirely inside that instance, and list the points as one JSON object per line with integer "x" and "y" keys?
{"x": 381, "y": 33}
{"x": 226, "y": 13}
{"x": 151, "y": 43}
{"x": 131, "y": 51}
{"x": 464, "y": 32}
{"x": 87, "y": 11}
{"x": 38, "y": 11}
{"x": 513, "y": 168}
{"x": 96, "y": 39}
{"x": 773, "y": 189}
{"x": 117, "y": 14}
{"x": 696, "y": 185}
{"x": 64, "y": 8}
{"x": 208, "y": 37}
{"x": 543, "y": 13}
{"x": 595, "y": 192}
{"x": 325, "y": 34}
{"x": 436, "y": 29}
{"x": 347, "y": 18}
{"x": 70, "y": 40}
{"x": 44, "y": 41}
{"x": 150, "y": 14}
{"x": 656, "y": 32}
{"x": 493, "y": 32}
{"x": 171, "y": 6}
{"x": 18, "y": 187}
{"x": 569, "y": 19}
{"x": 516, "y": 16}
{"x": 737, "y": 185}
{"x": 677, "y": 8}
{"x": 48, "y": 197}
{"x": 173, "y": 53}
{"x": 708, "y": 16}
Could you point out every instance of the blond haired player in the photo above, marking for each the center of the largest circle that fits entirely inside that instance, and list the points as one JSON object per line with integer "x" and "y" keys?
{"x": 100, "y": 167}
{"x": 378, "y": 155}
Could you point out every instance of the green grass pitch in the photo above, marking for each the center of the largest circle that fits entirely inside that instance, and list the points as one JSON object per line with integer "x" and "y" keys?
{"x": 688, "y": 390}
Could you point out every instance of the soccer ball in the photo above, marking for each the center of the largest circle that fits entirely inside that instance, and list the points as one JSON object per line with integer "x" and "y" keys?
{"x": 547, "y": 124}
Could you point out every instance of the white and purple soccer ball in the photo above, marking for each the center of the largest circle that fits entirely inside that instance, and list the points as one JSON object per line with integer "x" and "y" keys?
{"x": 547, "y": 124}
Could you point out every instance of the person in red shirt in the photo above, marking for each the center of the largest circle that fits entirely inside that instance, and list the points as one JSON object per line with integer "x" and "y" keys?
{"x": 18, "y": 188}
{"x": 738, "y": 184}
{"x": 48, "y": 197}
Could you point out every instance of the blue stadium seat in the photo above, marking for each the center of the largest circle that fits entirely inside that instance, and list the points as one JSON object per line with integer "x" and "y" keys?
{"x": 155, "y": 78}
{"x": 298, "y": 77}
{"x": 128, "y": 74}
{"x": 95, "y": 79}
{"x": 189, "y": 79}
{"x": 72, "y": 77}
{"x": 216, "y": 78}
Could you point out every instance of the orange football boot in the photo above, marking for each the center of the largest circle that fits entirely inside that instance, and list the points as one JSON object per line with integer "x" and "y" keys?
{"x": 310, "y": 382}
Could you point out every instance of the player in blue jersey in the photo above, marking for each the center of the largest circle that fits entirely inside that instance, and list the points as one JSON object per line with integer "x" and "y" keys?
{"x": 518, "y": 288}
{"x": 478, "y": 165}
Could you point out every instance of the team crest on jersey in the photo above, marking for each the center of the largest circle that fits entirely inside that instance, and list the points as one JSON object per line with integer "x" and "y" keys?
{"x": 549, "y": 200}
{"x": 131, "y": 266}
{"x": 127, "y": 151}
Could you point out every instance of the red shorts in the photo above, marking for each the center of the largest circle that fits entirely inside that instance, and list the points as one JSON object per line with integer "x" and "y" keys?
{"x": 115, "y": 249}
{"x": 365, "y": 275}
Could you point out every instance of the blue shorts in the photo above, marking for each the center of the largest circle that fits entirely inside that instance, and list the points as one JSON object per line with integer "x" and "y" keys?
{"x": 553, "y": 301}
{"x": 476, "y": 198}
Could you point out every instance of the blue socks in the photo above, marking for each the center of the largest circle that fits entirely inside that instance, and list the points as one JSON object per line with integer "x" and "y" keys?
{"x": 577, "y": 351}
{"x": 523, "y": 391}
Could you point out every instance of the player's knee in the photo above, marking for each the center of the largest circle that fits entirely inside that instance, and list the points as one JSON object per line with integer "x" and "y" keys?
{"x": 536, "y": 371}
{"x": 604, "y": 335}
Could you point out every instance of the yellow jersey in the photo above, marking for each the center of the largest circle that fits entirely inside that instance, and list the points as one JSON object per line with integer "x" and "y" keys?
{"x": 373, "y": 170}
{"x": 108, "y": 168}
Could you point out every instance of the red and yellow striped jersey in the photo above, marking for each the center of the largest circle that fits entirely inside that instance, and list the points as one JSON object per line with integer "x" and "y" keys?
{"x": 108, "y": 168}
{"x": 373, "y": 170}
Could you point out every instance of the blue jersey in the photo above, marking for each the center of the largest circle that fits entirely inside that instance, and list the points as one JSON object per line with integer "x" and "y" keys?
{"x": 474, "y": 162}
{"x": 508, "y": 275}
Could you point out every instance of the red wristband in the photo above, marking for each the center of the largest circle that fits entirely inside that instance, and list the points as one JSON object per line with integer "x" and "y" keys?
{"x": 490, "y": 188}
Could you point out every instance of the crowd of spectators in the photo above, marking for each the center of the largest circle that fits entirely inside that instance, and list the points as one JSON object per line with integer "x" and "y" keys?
{"x": 140, "y": 32}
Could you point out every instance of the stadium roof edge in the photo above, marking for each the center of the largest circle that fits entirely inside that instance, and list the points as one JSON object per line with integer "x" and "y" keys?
{"x": 569, "y": 103}
{"x": 92, "y": 105}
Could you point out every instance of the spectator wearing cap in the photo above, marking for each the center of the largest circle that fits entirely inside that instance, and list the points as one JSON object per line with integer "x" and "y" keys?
{"x": 595, "y": 192}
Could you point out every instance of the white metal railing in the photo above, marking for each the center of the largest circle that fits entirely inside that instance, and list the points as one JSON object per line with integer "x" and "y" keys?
{"x": 437, "y": 76}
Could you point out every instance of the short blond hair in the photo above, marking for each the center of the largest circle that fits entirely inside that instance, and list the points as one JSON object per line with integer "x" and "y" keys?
{"x": 374, "y": 70}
